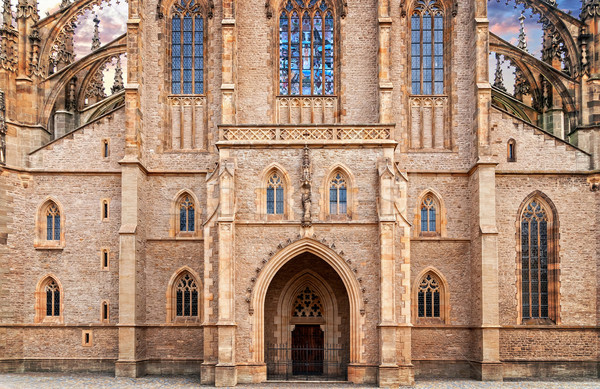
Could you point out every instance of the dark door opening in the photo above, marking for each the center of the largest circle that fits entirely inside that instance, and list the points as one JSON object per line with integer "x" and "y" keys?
{"x": 307, "y": 350}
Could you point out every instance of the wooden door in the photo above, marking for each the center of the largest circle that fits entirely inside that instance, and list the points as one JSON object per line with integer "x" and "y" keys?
{"x": 307, "y": 350}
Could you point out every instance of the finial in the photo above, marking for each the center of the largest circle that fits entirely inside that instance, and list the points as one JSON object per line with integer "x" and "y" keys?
{"x": 522, "y": 37}
{"x": 64, "y": 4}
{"x": 498, "y": 77}
{"x": 6, "y": 15}
{"x": 96, "y": 37}
{"x": 118, "y": 84}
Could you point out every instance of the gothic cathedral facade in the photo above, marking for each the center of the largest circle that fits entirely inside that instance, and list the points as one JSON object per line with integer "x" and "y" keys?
{"x": 285, "y": 189}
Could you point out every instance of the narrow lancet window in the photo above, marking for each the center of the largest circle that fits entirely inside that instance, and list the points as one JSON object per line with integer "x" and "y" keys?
{"x": 52, "y": 223}
{"x": 52, "y": 299}
{"x": 337, "y": 195}
{"x": 275, "y": 195}
{"x": 534, "y": 261}
{"x": 186, "y": 215}
{"x": 428, "y": 215}
{"x": 187, "y": 48}
{"x": 427, "y": 49}
{"x": 306, "y": 48}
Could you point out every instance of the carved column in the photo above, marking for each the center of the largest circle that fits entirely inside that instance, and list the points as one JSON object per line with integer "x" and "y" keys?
{"x": 228, "y": 57}
{"x": 226, "y": 371}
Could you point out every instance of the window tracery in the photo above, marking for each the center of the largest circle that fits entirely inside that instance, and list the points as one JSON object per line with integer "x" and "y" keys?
{"x": 306, "y": 48}
{"x": 275, "y": 192}
{"x": 428, "y": 215}
{"x": 429, "y": 297}
{"x": 186, "y": 215}
{"x": 186, "y": 292}
{"x": 187, "y": 47}
{"x": 534, "y": 261}
{"x": 338, "y": 195}
{"x": 427, "y": 48}
{"x": 52, "y": 299}
{"x": 307, "y": 304}
{"x": 52, "y": 222}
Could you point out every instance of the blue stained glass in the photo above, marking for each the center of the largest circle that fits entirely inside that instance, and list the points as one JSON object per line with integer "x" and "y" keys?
{"x": 295, "y": 63}
{"x": 187, "y": 75}
{"x": 438, "y": 36}
{"x": 426, "y": 22}
{"x": 415, "y": 36}
{"x": 426, "y": 88}
{"x": 279, "y": 201}
{"x": 415, "y": 23}
{"x": 199, "y": 25}
{"x": 187, "y": 50}
{"x": 426, "y": 62}
{"x": 424, "y": 219}
{"x": 438, "y": 22}
{"x": 176, "y": 50}
{"x": 270, "y": 201}
{"x": 176, "y": 24}
{"x": 176, "y": 88}
{"x": 199, "y": 63}
{"x": 283, "y": 88}
{"x": 187, "y": 64}
{"x": 289, "y": 6}
{"x": 187, "y": 23}
{"x": 49, "y": 223}
{"x": 176, "y": 74}
{"x": 191, "y": 220}
{"x": 439, "y": 50}
{"x": 187, "y": 88}
{"x": 199, "y": 88}
{"x": 198, "y": 74}
{"x": 432, "y": 219}
{"x": 333, "y": 201}
{"x": 415, "y": 62}
{"x": 426, "y": 75}
{"x": 283, "y": 40}
{"x": 416, "y": 88}
{"x": 56, "y": 227}
{"x": 329, "y": 66}
{"x": 182, "y": 219}
{"x": 300, "y": 3}
{"x": 318, "y": 82}
{"x": 312, "y": 3}
{"x": 342, "y": 200}
{"x": 306, "y": 62}
{"x": 439, "y": 88}
{"x": 426, "y": 48}
{"x": 176, "y": 37}
{"x": 323, "y": 6}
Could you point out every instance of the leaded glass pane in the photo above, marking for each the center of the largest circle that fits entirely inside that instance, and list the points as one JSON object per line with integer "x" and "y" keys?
{"x": 49, "y": 304}
{"x": 182, "y": 219}
{"x": 179, "y": 303}
{"x": 424, "y": 224}
{"x": 333, "y": 201}
{"x": 428, "y": 303}
{"x": 186, "y": 303}
{"x": 432, "y": 219}
{"x": 49, "y": 225}
{"x": 421, "y": 299}
{"x": 195, "y": 303}
{"x": 191, "y": 221}
{"x": 270, "y": 200}
{"x": 279, "y": 202}
{"x": 56, "y": 302}
{"x": 57, "y": 227}
{"x": 436, "y": 304}
{"x": 343, "y": 200}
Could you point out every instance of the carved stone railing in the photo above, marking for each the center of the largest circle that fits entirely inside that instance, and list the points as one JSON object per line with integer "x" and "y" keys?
{"x": 307, "y": 109}
{"x": 428, "y": 128}
{"x": 336, "y": 133}
{"x": 187, "y": 122}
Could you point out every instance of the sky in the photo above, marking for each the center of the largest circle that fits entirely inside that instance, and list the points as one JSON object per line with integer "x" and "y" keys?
{"x": 503, "y": 16}
{"x": 504, "y": 22}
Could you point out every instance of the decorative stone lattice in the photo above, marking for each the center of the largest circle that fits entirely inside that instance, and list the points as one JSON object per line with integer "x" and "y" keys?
{"x": 306, "y": 133}
{"x": 307, "y": 304}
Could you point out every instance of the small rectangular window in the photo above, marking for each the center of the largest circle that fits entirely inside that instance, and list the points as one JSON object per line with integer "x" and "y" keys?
{"x": 105, "y": 209}
{"x": 86, "y": 338}
{"x": 105, "y": 148}
{"x": 105, "y": 259}
{"x": 104, "y": 315}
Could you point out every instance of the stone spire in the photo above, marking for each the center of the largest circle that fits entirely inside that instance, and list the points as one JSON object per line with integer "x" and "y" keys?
{"x": 28, "y": 9}
{"x": 498, "y": 77}
{"x": 64, "y": 4}
{"x": 118, "y": 84}
{"x": 6, "y": 16}
{"x": 96, "y": 38}
{"x": 522, "y": 37}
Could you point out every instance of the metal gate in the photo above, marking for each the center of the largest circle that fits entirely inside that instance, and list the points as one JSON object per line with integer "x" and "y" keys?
{"x": 307, "y": 363}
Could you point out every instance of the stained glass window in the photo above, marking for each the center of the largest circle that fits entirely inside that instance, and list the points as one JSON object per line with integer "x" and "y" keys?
{"x": 275, "y": 195}
{"x": 306, "y": 48}
{"x": 428, "y": 216}
{"x": 186, "y": 215}
{"x": 427, "y": 49}
{"x": 52, "y": 222}
{"x": 534, "y": 261}
{"x": 52, "y": 299}
{"x": 187, "y": 296}
{"x": 337, "y": 195}
{"x": 429, "y": 297}
{"x": 187, "y": 48}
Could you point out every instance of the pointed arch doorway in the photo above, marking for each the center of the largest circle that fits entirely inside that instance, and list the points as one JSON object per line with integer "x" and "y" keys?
{"x": 307, "y": 315}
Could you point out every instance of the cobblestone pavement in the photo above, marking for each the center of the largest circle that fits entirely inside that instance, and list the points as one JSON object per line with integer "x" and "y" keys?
{"x": 101, "y": 381}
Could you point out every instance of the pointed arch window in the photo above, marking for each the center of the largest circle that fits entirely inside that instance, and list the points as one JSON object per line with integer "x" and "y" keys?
{"x": 511, "y": 151}
{"x": 186, "y": 295}
{"x": 187, "y": 222}
{"x": 275, "y": 192}
{"x": 307, "y": 304}
{"x": 52, "y": 222}
{"x": 306, "y": 48}
{"x": 428, "y": 215}
{"x": 338, "y": 195}
{"x": 427, "y": 48}
{"x": 539, "y": 270}
{"x": 52, "y": 299}
{"x": 429, "y": 297}
{"x": 187, "y": 47}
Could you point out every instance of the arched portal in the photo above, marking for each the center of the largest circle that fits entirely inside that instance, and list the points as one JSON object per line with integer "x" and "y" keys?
{"x": 308, "y": 271}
